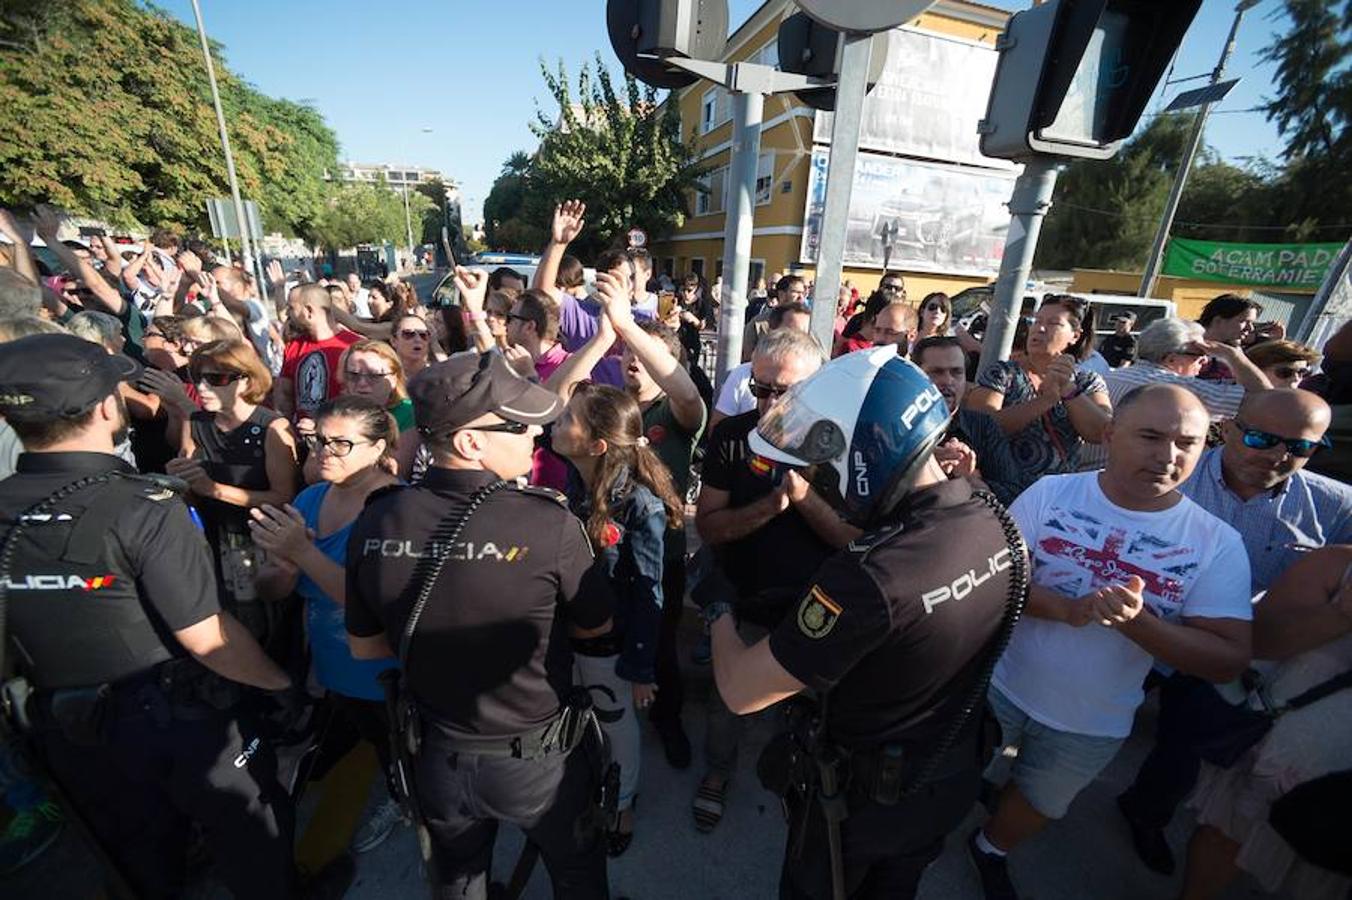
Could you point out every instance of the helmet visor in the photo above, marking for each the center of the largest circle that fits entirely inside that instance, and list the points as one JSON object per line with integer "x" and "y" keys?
{"x": 795, "y": 432}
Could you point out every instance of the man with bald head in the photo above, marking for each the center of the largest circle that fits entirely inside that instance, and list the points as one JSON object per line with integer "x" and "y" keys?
{"x": 309, "y": 373}
{"x": 1126, "y": 570}
{"x": 1256, "y": 482}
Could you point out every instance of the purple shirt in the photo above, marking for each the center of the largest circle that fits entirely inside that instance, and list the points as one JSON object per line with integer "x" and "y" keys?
{"x": 577, "y": 325}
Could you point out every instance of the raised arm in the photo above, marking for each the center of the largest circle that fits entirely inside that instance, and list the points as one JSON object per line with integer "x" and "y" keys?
{"x": 46, "y": 224}
{"x": 579, "y": 365}
{"x": 686, "y": 404}
{"x": 1247, "y": 375}
{"x": 23, "y": 257}
{"x": 564, "y": 228}
{"x": 473, "y": 286}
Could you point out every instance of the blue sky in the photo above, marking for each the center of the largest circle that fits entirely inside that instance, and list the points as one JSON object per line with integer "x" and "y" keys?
{"x": 381, "y": 73}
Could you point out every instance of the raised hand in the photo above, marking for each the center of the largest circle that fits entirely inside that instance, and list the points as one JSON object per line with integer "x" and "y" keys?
{"x": 519, "y": 359}
{"x": 9, "y": 227}
{"x": 568, "y": 222}
{"x": 613, "y": 292}
{"x": 46, "y": 221}
{"x": 956, "y": 458}
{"x": 275, "y": 274}
{"x": 189, "y": 262}
{"x": 473, "y": 285}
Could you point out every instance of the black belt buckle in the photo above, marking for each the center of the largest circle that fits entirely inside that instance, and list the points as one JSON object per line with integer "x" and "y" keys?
{"x": 891, "y": 764}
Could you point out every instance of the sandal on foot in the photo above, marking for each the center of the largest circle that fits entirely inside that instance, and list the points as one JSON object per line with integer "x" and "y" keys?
{"x": 708, "y": 805}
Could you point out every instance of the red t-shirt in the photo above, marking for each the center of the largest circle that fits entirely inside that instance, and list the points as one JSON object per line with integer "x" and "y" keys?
{"x": 312, "y": 367}
{"x": 850, "y": 345}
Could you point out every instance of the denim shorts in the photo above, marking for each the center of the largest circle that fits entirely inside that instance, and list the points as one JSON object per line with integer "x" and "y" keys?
{"x": 1052, "y": 766}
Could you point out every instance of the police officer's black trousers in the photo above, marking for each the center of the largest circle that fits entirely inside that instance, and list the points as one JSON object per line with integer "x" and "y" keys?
{"x": 464, "y": 797}
{"x": 885, "y": 848}
{"x": 162, "y": 766}
{"x": 670, "y": 698}
{"x": 1170, "y": 772}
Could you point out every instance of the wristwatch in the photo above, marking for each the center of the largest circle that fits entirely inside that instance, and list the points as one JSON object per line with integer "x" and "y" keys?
{"x": 716, "y": 610}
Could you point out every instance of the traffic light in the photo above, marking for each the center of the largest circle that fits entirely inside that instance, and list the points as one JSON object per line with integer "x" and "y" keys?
{"x": 807, "y": 47}
{"x": 644, "y": 32}
{"x": 1075, "y": 75}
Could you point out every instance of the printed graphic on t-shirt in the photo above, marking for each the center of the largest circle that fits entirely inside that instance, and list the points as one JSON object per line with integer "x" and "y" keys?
{"x": 1078, "y": 554}
{"x": 312, "y": 381}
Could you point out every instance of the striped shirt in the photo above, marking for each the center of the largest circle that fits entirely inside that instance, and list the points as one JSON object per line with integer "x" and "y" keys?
{"x": 1307, "y": 509}
{"x": 1221, "y": 399}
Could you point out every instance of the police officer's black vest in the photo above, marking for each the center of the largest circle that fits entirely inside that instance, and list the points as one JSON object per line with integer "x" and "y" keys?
{"x": 76, "y": 617}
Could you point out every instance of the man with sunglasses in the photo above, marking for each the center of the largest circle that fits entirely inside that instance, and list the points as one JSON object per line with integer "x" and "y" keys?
{"x": 486, "y": 679}
{"x": 1256, "y": 482}
{"x": 768, "y": 530}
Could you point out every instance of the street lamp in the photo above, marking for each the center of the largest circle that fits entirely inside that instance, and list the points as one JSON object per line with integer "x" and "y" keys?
{"x": 408, "y": 218}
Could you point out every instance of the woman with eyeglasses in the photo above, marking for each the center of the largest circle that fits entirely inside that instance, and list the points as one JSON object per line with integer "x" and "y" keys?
{"x": 936, "y": 315}
{"x": 412, "y": 340}
{"x": 372, "y": 369}
{"x": 234, "y": 454}
{"x": 306, "y": 546}
{"x": 1285, "y": 363}
{"x": 1047, "y": 406}
{"x": 627, "y": 501}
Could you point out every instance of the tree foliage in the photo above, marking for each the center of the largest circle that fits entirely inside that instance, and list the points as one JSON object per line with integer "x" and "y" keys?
{"x": 110, "y": 115}
{"x": 610, "y": 145}
{"x": 367, "y": 214}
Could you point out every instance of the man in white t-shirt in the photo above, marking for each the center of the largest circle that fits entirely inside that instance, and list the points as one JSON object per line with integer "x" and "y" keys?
{"x": 734, "y": 398}
{"x": 1126, "y": 571}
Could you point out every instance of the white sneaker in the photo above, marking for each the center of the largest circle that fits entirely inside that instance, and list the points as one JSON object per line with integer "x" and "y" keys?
{"x": 378, "y": 827}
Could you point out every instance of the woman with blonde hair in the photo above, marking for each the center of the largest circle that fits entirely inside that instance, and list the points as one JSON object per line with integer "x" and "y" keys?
{"x": 234, "y": 454}
{"x": 205, "y": 329}
{"x": 372, "y": 369}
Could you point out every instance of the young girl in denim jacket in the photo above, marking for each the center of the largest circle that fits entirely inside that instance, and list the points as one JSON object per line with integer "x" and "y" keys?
{"x": 627, "y": 501}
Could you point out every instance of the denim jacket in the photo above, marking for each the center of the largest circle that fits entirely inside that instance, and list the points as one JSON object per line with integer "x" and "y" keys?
{"x": 633, "y": 562}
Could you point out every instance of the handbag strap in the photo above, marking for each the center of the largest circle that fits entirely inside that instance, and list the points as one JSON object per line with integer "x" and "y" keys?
{"x": 1320, "y": 691}
{"x": 428, "y": 568}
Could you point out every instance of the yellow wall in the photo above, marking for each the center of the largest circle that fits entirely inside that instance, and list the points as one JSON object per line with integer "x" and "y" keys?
{"x": 791, "y": 140}
{"x": 1190, "y": 294}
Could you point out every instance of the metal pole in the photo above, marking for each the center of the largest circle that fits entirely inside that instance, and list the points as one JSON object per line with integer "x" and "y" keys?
{"x": 748, "y": 108}
{"x": 849, "y": 112}
{"x": 408, "y": 222}
{"x": 245, "y": 244}
{"x": 1027, "y": 207}
{"x": 1152, "y": 265}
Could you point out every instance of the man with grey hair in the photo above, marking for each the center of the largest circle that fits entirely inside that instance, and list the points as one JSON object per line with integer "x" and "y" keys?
{"x": 98, "y": 328}
{"x": 1173, "y": 351}
{"x": 768, "y": 531}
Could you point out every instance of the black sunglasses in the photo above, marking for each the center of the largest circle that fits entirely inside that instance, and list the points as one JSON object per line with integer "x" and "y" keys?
{"x": 1263, "y": 440}
{"x": 507, "y": 426}
{"x": 218, "y": 379}
{"x": 765, "y": 391}
{"x": 409, "y": 334}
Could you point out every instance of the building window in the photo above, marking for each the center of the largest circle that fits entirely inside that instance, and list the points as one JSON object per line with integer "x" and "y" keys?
{"x": 697, "y": 266}
{"x": 712, "y": 196}
{"x": 768, "y": 55}
{"x": 718, "y": 268}
{"x": 708, "y": 111}
{"x": 755, "y": 274}
{"x": 765, "y": 178}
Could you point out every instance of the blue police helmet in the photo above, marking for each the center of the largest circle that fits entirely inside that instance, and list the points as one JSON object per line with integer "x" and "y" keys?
{"x": 865, "y": 424}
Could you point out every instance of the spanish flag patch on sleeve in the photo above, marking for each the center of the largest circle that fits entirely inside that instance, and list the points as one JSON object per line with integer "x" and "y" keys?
{"x": 817, "y": 614}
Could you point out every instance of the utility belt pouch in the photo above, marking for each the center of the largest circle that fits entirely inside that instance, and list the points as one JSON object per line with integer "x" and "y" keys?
{"x": 15, "y": 695}
{"x": 81, "y": 714}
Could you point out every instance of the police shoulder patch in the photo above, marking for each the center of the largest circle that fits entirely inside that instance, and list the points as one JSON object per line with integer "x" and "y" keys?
{"x": 818, "y": 613}
{"x": 544, "y": 493}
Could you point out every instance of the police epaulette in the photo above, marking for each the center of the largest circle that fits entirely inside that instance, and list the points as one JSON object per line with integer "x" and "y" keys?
{"x": 537, "y": 490}
{"x": 865, "y": 543}
{"x": 155, "y": 487}
{"x": 381, "y": 492}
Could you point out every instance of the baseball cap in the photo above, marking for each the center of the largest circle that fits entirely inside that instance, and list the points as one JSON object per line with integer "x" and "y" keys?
{"x": 58, "y": 375}
{"x": 451, "y": 394}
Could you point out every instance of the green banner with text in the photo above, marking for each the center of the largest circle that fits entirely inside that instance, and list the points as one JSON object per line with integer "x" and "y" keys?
{"x": 1256, "y": 265}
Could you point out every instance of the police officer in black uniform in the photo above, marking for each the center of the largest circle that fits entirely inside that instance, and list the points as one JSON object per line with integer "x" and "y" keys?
{"x": 112, "y": 612}
{"x": 486, "y": 661}
{"x": 895, "y": 635}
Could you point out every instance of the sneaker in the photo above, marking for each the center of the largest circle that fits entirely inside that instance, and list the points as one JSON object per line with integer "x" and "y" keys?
{"x": 993, "y": 870}
{"x": 378, "y": 827}
{"x": 32, "y": 830}
{"x": 1151, "y": 845}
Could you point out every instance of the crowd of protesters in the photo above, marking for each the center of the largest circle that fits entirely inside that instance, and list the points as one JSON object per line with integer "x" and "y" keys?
{"x": 284, "y": 406}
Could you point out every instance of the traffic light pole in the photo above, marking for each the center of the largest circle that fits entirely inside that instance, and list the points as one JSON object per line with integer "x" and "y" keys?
{"x": 1152, "y": 265}
{"x": 1028, "y": 206}
{"x": 747, "y": 112}
{"x": 851, "y": 88}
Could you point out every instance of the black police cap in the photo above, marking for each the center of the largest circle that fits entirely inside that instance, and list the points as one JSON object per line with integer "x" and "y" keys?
{"x": 451, "y": 394}
{"x": 54, "y": 376}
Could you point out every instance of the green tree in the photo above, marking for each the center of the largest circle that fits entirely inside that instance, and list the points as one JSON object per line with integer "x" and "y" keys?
{"x": 110, "y": 116}
{"x": 366, "y": 214}
{"x": 506, "y": 222}
{"x": 619, "y": 151}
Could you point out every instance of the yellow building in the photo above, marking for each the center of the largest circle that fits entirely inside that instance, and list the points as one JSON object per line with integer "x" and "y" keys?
{"x": 794, "y": 138}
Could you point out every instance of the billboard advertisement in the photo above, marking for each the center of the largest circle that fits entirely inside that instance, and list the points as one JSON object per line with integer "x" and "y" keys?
{"x": 933, "y": 217}
{"x": 932, "y": 93}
